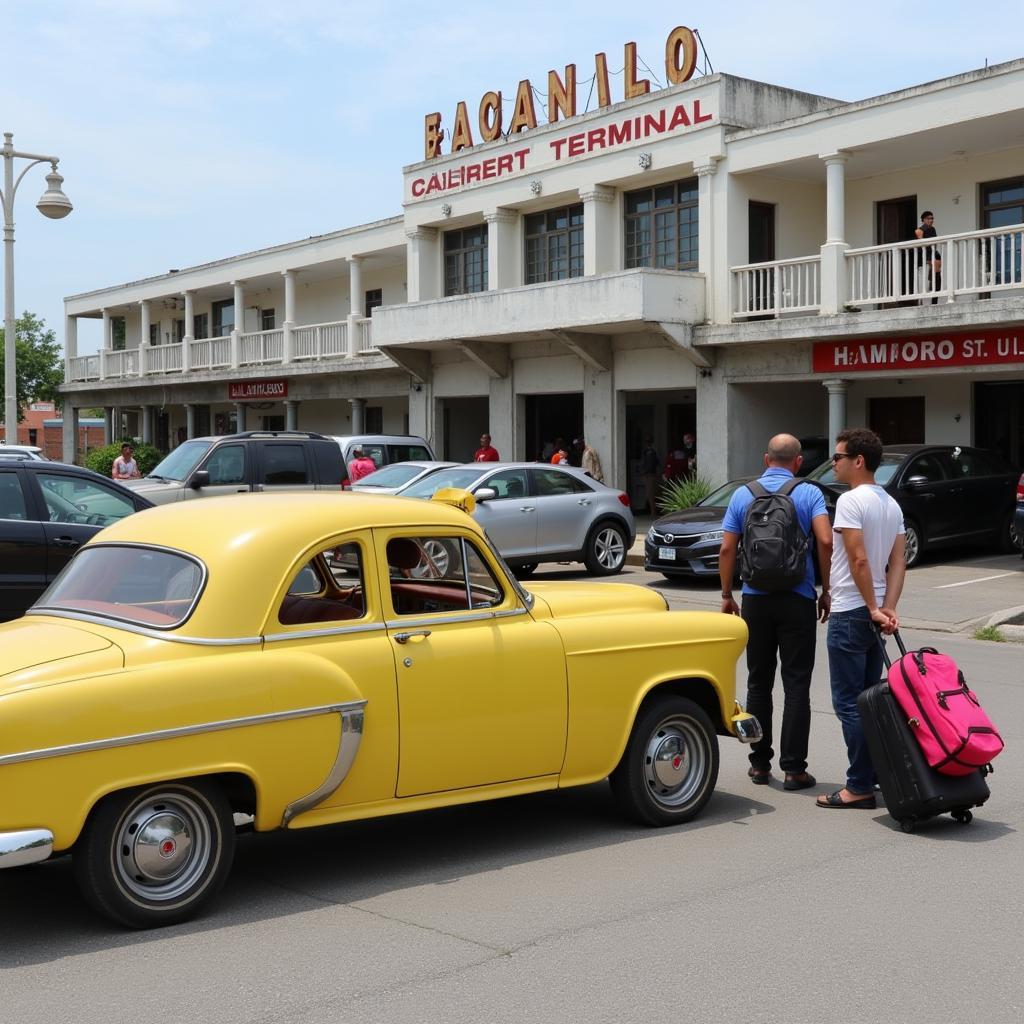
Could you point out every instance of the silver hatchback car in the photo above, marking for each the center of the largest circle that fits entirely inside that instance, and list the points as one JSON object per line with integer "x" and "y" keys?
{"x": 538, "y": 513}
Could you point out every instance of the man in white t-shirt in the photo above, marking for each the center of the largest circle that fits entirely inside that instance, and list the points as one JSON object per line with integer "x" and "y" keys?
{"x": 868, "y": 567}
{"x": 125, "y": 467}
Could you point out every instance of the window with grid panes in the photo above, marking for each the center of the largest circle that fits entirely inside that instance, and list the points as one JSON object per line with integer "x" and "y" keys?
{"x": 374, "y": 297}
{"x": 465, "y": 260}
{"x": 662, "y": 225}
{"x": 554, "y": 244}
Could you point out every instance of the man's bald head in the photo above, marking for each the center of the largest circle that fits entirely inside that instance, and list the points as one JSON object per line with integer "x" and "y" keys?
{"x": 783, "y": 450}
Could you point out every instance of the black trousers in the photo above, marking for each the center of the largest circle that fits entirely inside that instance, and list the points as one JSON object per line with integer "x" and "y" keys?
{"x": 782, "y": 626}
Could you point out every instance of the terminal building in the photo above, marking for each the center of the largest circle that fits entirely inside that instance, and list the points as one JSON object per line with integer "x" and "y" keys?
{"x": 719, "y": 256}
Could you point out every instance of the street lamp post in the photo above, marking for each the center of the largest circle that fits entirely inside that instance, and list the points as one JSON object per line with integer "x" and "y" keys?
{"x": 53, "y": 204}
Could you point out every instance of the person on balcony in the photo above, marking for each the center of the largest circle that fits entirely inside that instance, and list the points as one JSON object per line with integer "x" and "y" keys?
{"x": 930, "y": 257}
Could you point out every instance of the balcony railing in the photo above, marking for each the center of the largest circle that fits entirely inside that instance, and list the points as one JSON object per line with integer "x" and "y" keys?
{"x": 84, "y": 367}
{"x": 320, "y": 341}
{"x": 364, "y": 338}
{"x": 210, "y": 353}
{"x": 122, "y": 362}
{"x": 162, "y": 359}
{"x": 777, "y": 288}
{"x": 262, "y": 347}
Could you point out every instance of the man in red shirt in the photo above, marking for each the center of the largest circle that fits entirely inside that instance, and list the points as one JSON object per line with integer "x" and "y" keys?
{"x": 486, "y": 452}
{"x": 360, "y": 466}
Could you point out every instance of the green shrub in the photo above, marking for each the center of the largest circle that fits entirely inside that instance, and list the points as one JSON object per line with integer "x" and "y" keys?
{"x": 990, "y": 633}
{"x": 683, "y": 493}
{"x": 101, "y": 460}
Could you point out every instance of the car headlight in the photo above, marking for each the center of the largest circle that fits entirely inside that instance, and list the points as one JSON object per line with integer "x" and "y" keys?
{"x": 713, "y": 535}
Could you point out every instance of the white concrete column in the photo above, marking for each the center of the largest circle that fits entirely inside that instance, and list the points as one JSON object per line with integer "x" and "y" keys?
{"x": 358, "y": 415}
{"x": 291, "y": 414}
{"x": 236, "y": 334}
{"x": 190, "y": 421}
{"x": 143, "y": 336}
{"x": 705, "y": 171}
{"x": 147, "y": 424}
{"x": 423, "y": 277}
{"x": 355, "y": 304}
{"x": 186, "y": 341}
{"x": 600, "y": 253}
{"x": 239, "y": 417}
{"x": 836, "y": 409}
{"x": 833, "y": 252}
{"x": 70, "y": 346}
{"x": 600, "y": 424}
{"x": 288, "y": 327}
{"x": 504, "y": 253}
{"x": 108, "y": 425}
{"x": 69, "y": 433}
{"x": 501, "y": 417}
{"x": 106, "y": 342}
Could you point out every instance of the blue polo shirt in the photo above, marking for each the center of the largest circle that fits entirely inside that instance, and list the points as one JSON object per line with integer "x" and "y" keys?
{"x": 809, "y": 504}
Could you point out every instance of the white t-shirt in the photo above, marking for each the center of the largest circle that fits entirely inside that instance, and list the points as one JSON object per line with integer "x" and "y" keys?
{"x": 870, "y": 509}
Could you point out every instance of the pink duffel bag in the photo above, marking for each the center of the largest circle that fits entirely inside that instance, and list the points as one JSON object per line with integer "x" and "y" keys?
{"x": 955, "y": 734}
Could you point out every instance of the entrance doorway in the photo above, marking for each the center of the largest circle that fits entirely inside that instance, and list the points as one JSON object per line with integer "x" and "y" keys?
{"x": 549, "y": 417}
{"x": 463, "y": 421}
{"x": 664, "y": 416}
{"x": 999, "y": 419}
{"x": 761, "y": 249}
{"x": 897, "y": 420}
{"x": 895, "y": 221}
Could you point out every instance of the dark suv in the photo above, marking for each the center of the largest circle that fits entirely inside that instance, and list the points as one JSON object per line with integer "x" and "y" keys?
{"x": 48, "y": 511}
{"x": 256, "y": 460}
{"x": 950, "y": 494}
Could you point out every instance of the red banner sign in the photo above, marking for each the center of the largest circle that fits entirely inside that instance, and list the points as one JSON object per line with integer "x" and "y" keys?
{"x": 928, "y": 352}
{"x": 257, "y": 390}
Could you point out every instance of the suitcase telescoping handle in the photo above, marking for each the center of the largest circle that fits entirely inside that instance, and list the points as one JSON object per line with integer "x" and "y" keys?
{"x": 881, "y": 642}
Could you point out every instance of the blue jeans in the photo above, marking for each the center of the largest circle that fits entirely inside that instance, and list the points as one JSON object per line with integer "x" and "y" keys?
{"x": 854, "y": 663}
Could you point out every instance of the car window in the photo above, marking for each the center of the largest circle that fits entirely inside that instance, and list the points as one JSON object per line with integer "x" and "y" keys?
{"x": 826, "y": 472}
{"x": 550, "y": 482}
{"x": 459, "y": 476}
{"x": 408, "y": 453}
{"x": 328, "y": 588}
{"x": 720, "y": 498}
{"x": 283, "y": 464}
{"x": 929, "y": 466}
{"x": 509, "y": 483}
{"x": 145, "y": 586}
{"x": 12, "y": 497}
{"x": 430, "y": 574}
{"x": 227, "y": 465}
{"x": 71, "y": 499}
{"x": 390, "y": 476}
{"x": 964, "y": 462}
{"x": 375, "y": 452}
{"x": 180, "y": 463}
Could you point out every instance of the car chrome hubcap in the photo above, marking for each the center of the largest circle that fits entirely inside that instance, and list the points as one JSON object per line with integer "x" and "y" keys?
{"x": 910, "y": 542}
{"x": 163, "y": 846}
{"x": 609, "y": 548}
{"x": 675, "y": 762}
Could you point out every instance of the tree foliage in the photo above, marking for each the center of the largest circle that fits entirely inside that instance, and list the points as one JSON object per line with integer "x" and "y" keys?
{"x": 40, "y": 370}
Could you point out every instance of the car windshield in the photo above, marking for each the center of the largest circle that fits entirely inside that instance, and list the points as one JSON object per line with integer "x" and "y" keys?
{"x": 408, "y": 453}
{"x": 180, "y": 463}
{"x": 145, "y": 586}
{"x": 459, "y": 476}
{"x": 826, "y": 472}
{"x": 720, "y": 498}
{"x": 391, "y": 476}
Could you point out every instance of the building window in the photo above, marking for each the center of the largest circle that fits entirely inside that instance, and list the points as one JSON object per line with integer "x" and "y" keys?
{"x": 223, "y": 318}
{"x": 201, "y": 325}
{"x": 465, "y": 260}
{"x": 661, "y": 226}
{"x": 177, "y": 330}
{"x": 268, "y": 320}
{"x": 374, "y": 298}
{"x": 154, "y": 334}
{"x": 117, "y": 333}
{"x": 1002, "y": 203}
{"x": 554, "y": 244}
{"x": 373, "y": 419}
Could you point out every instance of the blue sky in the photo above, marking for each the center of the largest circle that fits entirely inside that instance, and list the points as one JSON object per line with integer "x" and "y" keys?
{"x": 193, "y": 131}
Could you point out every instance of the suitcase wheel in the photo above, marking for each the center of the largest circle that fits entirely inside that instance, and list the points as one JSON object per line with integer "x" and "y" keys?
{"x": 908, "y": 824}
{"x": 964, "y": 816}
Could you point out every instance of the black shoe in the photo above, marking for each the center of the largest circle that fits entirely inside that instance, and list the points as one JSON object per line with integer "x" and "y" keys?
{"x": 799, "y": 780}
{"x": 760, "y": 776}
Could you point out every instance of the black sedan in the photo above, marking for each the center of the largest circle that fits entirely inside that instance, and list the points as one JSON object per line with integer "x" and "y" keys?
{"x": 47, "y": 511}
{"x": 686, "y": 543}
{"x": 950, "y": 494}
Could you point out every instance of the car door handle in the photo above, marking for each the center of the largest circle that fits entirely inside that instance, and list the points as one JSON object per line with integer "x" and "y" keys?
{"x": 66, "y": 542}
{"x": 527, "y": 508}
{"x": 404, "y": 638}
{"x": 583, "y": 501}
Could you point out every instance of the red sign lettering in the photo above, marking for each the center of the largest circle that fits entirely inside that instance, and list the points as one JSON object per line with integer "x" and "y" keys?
{"x": 257, "y": 390}
{"x": 927, "y": 352}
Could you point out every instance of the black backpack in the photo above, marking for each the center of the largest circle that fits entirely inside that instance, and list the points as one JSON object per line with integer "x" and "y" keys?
{"x": 773, "y": 549}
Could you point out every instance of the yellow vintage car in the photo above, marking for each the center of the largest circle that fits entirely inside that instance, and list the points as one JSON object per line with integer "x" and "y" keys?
{"x": 314, "y": 658}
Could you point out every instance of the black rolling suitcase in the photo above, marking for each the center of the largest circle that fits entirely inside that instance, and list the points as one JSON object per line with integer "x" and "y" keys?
{"x": 913, "y": 790}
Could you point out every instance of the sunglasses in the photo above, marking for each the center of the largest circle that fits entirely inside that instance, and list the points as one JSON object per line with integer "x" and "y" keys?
{"x": 836, "y": 456}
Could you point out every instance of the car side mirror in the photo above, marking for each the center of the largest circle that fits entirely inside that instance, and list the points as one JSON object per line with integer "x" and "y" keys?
{"x": 915, "y": 483}
{"x": 200, "y": 478}
{"x": 485, "y": 494}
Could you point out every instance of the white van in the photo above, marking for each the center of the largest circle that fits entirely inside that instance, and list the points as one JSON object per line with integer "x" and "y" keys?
{"x": 384, "y": 449}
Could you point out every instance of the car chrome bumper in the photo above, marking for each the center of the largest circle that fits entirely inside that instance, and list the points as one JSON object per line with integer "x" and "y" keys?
{"x": 29, "y": 846}
{"x": 746, "y": 728}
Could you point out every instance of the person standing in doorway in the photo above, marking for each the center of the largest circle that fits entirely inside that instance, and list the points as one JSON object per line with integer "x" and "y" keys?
{"x": 590, "y": 461}
{"x": 486, "y": 452}
{"x": 650, "y": 471}
{"x": 931, "y": 260}
{"x": 781, "y": 622}
{"x": 560, "y": 456}
{"x": 868, "y": 567}
{"x": 125, "y": 467}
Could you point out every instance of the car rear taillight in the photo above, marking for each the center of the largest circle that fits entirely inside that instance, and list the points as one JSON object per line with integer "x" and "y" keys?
{"x": 624, "y": 499}
{"x": 1020, "y": 488}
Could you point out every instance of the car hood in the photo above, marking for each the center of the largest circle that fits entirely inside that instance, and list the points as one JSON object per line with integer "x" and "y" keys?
{"x": 691, "y": 520}
{"x": 39, "y": 652}
{"x": 154, "y": 489}
{"x": 568, "y": 599}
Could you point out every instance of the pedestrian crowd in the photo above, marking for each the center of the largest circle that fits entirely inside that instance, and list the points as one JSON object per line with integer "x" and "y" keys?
{"x": 772, "y": 529}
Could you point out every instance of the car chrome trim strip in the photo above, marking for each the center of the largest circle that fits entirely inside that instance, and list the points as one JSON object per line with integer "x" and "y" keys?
{"x": 351, "y": 737}
{"x": 307, "y": 634}
{"x": 29, "y": 846}
{"x": 129, "y": 627}
{"x": 415, "y": 622}
{"x": 172, "y": 734}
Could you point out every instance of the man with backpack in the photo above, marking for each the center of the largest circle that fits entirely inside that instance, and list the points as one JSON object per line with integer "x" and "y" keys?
{"x": 769, "y": 525}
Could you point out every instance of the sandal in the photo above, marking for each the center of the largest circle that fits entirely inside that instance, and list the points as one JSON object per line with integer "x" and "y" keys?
{"x": 760, "y": 776}
{"x": 799, "y": 780}
{"x": 834, "y": 800}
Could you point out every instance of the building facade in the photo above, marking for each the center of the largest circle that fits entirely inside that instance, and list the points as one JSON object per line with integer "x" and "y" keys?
{"x": 720, "y": 256}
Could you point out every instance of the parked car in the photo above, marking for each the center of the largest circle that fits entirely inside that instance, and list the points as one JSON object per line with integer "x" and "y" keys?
{"x": 22, "y": 451}
{"x": 391, "y": 479}
{"x": 687, "y": 542}
{"x": 384, "y": 449}
{"x": 815, "y": 451}
{"x": 950, "y": 494}
{"x": 181, "y": 670}
{"x": 47, "y": 511}
{"x": 254, "y": 460}
{"x": 535, "y": 513}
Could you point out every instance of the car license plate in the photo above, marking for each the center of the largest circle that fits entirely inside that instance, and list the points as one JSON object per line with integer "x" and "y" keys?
{"x": 668, "y": 554}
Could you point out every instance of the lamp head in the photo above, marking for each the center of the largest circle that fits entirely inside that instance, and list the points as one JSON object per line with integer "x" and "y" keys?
{"x": 53, "y": 203}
